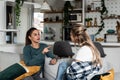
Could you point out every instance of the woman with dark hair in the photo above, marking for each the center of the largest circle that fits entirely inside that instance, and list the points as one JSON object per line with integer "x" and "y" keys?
{"x": 34, "y": 56}
{"x": 34, "y": 52}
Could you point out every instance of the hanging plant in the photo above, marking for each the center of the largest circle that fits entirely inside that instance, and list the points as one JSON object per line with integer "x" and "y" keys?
{"x": 18, "y": 4}
{"x": 103, "y": 12}
{"x": 67, "y": 6}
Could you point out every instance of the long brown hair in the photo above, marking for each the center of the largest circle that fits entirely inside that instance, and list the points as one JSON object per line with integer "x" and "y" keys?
{"x": 81, "y": 38}
{"x": 29, "y": 32}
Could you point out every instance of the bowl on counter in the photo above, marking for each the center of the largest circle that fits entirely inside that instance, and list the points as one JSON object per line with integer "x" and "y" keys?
{"x": 110, "y": 31}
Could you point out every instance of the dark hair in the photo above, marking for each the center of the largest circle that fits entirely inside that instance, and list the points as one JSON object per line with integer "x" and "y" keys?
{"x": 29, "y": 32}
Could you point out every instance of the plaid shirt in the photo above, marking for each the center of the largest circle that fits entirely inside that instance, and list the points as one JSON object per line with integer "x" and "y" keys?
{"x": 80, "y": 70}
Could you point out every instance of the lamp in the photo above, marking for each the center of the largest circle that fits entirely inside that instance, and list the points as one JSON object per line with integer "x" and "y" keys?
{"x": 45, "y": 6}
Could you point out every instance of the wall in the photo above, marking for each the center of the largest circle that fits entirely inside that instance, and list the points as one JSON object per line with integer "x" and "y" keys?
{"x": 113, "y": 8}
{"x": 113, "y": 57}
{"x": 10, "y": 54}
{"x": 56, "y": 5}
{"x": 2, "y": 20}
{"x": 25, "y": 24}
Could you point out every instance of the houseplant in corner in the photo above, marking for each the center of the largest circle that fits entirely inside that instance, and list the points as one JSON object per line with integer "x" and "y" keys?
{"x": 67, "y": 7}
{"x": 17, "y": 8}
{"x": 103, "y": 12}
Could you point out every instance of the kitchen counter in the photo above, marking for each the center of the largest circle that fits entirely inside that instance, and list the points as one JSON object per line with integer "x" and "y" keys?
{"x": 104, "y": 44}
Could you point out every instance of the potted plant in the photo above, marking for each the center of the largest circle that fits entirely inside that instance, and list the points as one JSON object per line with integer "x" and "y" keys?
{"x": 103, "y": 12}
{"x": 67, "y": 6}
{"x": 17, "y": 8}
{"x": 88, "y": 22}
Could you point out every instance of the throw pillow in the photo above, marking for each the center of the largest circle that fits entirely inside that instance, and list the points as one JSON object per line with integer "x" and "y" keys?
{"x": 105, "y": 76}
{"x": 110, "y": 76}
{"x": 62, "y": 49}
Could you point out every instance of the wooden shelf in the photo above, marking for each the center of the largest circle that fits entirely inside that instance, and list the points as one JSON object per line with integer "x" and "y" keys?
{"x": 93, "y": 26}
{"x": 111, "y": 17}
{"x": 54, "y": 12}
{"x": 75, "y": 21}
{"x": 8, "y": 30}
{"x": 52, "y": 22}
{"x": 92, "y": 11}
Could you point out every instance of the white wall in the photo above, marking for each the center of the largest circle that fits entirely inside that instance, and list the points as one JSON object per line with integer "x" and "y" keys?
{"x": 113, "y": 7}
{"x": 2, "y": 20}
{"x": 12, "y": 48}
{"x": 10, "y": 54}
{"x": 113, "y": 56}
{"x": 24, "y": 25}
{"x": 26, "y": 22}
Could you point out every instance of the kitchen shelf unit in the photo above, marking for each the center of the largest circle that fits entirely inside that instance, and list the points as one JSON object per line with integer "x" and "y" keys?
{"x": 76, "y": 16}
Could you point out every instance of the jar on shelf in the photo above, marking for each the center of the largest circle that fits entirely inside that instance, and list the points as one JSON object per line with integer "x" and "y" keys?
{"x": 88, "y": 7}
{"x": 92, "y": 6}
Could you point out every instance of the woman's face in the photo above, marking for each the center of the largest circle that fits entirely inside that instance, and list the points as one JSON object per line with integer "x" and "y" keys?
{"x": 35, "y": 36}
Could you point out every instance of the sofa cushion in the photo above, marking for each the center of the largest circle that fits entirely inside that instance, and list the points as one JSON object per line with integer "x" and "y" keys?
{"x": 100, "y": 49}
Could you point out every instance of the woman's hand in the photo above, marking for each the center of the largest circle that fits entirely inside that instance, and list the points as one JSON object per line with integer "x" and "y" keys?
{"x": 53, "y": 61}
{"x": 45, "y": 50}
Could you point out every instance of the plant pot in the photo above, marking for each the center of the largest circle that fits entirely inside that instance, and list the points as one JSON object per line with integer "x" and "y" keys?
{"x": 89, "y": 23}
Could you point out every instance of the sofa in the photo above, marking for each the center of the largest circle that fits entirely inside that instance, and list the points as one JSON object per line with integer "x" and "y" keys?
{"x": 9, "y": 58}
{"x": 51, "y": 70}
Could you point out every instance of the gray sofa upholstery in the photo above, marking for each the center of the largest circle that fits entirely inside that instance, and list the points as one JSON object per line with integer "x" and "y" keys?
{"x": 8, "y": 58}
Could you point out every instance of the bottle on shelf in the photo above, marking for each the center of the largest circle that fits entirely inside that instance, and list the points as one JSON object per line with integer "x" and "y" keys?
{"x": 10, "y": 26}
{"x": 95, "y": 22}
{"x": 92, "y": 6}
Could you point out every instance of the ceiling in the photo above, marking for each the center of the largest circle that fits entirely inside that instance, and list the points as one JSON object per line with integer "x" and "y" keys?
{"x": 55, "y": 4}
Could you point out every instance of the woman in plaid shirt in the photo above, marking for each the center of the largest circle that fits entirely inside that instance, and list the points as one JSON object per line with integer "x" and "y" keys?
{"x": 87, "y": 60}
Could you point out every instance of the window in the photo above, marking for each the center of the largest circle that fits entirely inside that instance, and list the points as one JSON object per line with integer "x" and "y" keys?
{"x": 38, "y": 17}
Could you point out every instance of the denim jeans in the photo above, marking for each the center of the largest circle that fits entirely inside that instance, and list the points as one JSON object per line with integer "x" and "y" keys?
{"x": 61, "y": 70}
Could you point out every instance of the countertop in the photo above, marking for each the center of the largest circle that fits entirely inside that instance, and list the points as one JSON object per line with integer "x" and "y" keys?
{"x": 104, "y": 44}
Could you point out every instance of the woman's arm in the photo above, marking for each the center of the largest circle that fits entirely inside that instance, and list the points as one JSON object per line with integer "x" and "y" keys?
{"x": 49, "y": 54}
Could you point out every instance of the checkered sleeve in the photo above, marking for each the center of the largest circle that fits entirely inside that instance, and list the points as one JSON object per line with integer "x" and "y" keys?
{"x": 80, "y": 70}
